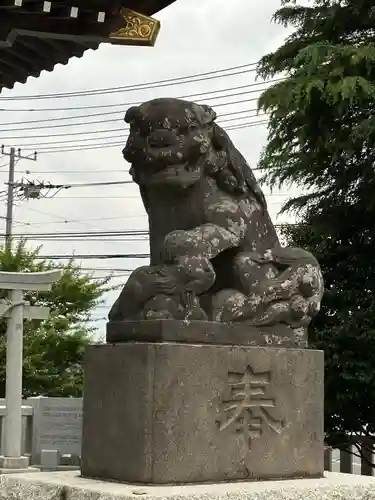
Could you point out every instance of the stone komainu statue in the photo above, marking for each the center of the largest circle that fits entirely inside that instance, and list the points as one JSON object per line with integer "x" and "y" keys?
{"x": 215, "y": 254}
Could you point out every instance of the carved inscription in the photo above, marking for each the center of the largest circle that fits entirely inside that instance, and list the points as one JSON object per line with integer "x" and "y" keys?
{"x": 249, "y": 406}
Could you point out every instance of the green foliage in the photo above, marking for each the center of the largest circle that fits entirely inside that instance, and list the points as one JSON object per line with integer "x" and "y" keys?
{"x": 54, "y": 348}
{"x": 322, "y": 139}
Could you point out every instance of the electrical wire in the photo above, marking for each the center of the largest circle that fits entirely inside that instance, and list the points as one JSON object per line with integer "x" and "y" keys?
{"x": 67, "y": 234}
{"x": 93, "y": 256}
{"x": 105, "y": 113}
{"x": 95, "y": 106}
{"x": 49, "y": 214}
{"x": 208, "y": 75}
{"x": 85, "y": 234}
{"x": 38, "y": 145}
{"x": 5, "y": 138}
{"x": 59, "y": 172}
{"x": 114, "y": 120}
{"x": 85, "y": 239}
{"x": 90, "y": 184}
{"x": 99, "y": 219}
{"x": 107, "y": 269}
{"x": 72, "y": 221}
{"x": 128, "y": 104}
{"x": 138, "y": 198}
{"x": 107, "y": 145}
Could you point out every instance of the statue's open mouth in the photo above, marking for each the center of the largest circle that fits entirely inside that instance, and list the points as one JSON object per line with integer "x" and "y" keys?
{"x": 185, "y": 173}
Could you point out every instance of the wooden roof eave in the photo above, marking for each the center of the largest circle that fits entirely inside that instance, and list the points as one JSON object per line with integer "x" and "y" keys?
{"x": 32, "y": 42}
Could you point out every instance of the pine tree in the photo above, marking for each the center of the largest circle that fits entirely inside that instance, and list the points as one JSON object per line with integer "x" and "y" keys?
{"x": 322, "y": 139}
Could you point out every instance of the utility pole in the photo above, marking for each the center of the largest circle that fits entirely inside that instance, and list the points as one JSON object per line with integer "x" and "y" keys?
{"x": 13, "y": 155}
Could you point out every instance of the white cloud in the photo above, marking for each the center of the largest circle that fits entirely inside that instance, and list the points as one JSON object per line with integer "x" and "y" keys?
{"x": 196, "y": 36}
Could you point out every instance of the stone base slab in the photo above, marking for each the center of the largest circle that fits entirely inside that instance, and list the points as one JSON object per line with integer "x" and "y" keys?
{"x": 19, "y": 471}
{"x": 70, "y": 486}
{"x": 179, "y": 413}
{"x": 205, "y": 332}
{"x": 14, "y": 463}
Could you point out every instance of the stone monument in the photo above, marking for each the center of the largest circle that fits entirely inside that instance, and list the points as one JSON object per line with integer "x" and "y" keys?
{"x": 205, "y": 376}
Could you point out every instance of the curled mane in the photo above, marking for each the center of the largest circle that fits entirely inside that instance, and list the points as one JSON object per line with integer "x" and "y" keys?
{"x": 230, "y": 169}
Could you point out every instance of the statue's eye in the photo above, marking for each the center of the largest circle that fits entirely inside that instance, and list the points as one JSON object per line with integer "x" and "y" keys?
{"x": 144, "y": 129}
{"x": 186, "y": 129}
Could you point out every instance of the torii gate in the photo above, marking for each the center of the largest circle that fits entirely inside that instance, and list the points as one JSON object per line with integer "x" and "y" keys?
{"x": 16, "y": 310}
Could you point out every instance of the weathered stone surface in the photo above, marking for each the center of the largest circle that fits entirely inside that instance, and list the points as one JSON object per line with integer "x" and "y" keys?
{"x": 215, "y": 254}
{"x": 56, "y": 425}
{"x": 70, "y": 486}
{"x": 175, "y": 413}
{"x": 204, "y": 332}
{"x": 14, "y": 463}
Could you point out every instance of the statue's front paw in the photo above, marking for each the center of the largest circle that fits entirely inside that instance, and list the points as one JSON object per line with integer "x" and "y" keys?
{"x": 178, "y": 243}
{"x": 166, "y": 285}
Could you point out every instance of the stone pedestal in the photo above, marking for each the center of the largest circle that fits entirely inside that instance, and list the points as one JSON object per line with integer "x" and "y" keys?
{"x": 205, "y": 332}
{"x": 12, "y": 465}
{"x": 14, "y": 462}
{"x": 181, "y": 413}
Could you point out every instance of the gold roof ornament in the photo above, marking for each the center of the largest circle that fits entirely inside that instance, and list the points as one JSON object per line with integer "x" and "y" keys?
{"x": 138, "y": 29}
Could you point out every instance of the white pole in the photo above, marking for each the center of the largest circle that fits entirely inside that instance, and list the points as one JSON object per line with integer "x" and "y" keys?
{"x": 13, "y": 384}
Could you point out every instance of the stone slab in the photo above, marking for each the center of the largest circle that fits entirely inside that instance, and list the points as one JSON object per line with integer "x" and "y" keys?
{"x": 14, "y": 462}
{"x": 178, "y": 413}
{"x": 70, "y": 486}
{"x": 56, "y": 425}
{"x": 19, "y": 471}
{"x": 204, "y": 332}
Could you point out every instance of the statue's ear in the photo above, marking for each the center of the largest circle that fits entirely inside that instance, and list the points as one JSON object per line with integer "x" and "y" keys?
{"x": 220, "y": 139}
{"x": 210, "y": 113}
{"x": 132, "y": 114}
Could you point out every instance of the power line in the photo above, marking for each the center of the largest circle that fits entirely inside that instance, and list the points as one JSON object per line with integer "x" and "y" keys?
{"x": 59, "y": 172}
{"x": 104, "y": 113}
{"x": 128, "y": 104}
{"x": 82, "y": 234}
{"x": 107, "y": 145}
{"x": 32, "y": 190}
{"x": 208, "y": 75}
{"x": 105, "y": 131}
{"x": 112, "y": 198}
{"x": 83, "y": 184}
{"x": 67, "y": 234}
{"x": 93, "y": 256}
{"x": 87, "y": 139}
{"x": 72, "y": 221}
{"x": 115, "y": 120}
{"x": 101, "y": 269}
{"x": 107, "y": 269}
{"x": 127, "y": 128}
{"x": 95, "y": 106}
{"x": 85, "y": 239}
{"x": 86, "y": 234}
{"x": 99, "y": 219}
{"x": 49, "y": 214}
